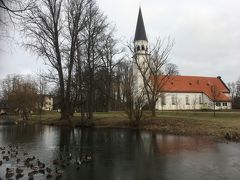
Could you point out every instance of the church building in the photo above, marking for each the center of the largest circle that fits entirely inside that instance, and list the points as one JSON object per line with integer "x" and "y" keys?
{"x": 180, "y": 92}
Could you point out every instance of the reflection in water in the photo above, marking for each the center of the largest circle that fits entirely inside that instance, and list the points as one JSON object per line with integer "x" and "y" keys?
{"x": 126, "y": 154}
{"x": 167, "y": 144}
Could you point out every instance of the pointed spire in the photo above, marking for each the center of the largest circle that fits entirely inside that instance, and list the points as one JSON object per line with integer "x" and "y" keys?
{"x": 140, "y": 33}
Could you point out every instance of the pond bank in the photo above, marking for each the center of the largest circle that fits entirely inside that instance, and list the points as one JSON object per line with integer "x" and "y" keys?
{"x": 224, "y": 126}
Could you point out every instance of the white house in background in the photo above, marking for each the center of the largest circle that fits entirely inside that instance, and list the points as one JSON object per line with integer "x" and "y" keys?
{"x": 180, "y": 92}
{"x": 48, "y": 103}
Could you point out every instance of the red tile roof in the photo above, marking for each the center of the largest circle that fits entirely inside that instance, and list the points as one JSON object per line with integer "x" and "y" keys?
{"x": 195, "y": 84}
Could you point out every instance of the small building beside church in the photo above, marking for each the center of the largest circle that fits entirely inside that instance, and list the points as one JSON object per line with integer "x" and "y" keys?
{"x": 179, "y": 92}
{"x": 47, "y": 103}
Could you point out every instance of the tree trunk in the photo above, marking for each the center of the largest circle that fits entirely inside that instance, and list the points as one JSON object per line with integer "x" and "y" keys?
{"x": 214, "y": 109}
{"x": 153, "y": 110}
{"x": 90, "y": 98}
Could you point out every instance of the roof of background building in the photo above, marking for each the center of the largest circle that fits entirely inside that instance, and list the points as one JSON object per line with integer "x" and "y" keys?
{"x": 196, "y": 84}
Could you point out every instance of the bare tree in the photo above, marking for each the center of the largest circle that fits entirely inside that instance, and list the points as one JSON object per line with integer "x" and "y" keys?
{"x": 21, "y": 94}
{"x": 156, "y": 71}
{"x": 93, "y": 36}
{"x": 134, "y": 99}
{"x": 14, "y": 7}
{"x": 233, "y": 89}
{"x": 43, "y": 28}
{"x": 52, "y": 28}
{"x": 215, "y": 92}
{"x": 127, "y": 89}
{"x": 194, "y": 102}
{"x": 238, "y": 88}
{"x": 109, "y": 61}
{"x": 163, "y": 100}
{"x": 11, "y": 11}
{"x": 177, "y": 102}
{"x": 42, "y": 91}
{"x": 139, "y": 103}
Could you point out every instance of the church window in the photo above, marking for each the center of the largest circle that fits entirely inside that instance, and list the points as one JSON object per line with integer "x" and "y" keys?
{"x": 173, "y": 100}
{"x": 138, "y": 48}
{"x": 163, "y": 99}
{"x": 187, "y": 100}
{"x": 200, "y": 99}
{"x": 143, "y": 48}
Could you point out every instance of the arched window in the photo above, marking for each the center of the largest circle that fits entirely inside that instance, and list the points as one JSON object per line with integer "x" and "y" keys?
{"x": 173, "y": 100}
{"x": 138, "y": 48}
{"x": 187, "y": 100}
{"x": 163, "y": 99}
{"x": 200, "y": 99}
{"x": 143, "y": 48}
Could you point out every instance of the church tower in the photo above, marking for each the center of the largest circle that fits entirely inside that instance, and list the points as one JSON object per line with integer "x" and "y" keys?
{"x": 141, "y": 55}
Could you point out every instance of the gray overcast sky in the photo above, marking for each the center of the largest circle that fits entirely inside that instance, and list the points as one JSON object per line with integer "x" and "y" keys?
{"x": 206, "y": 34}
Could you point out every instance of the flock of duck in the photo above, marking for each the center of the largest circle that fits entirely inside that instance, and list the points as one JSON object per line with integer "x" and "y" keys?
{"x": 27, "y": 165}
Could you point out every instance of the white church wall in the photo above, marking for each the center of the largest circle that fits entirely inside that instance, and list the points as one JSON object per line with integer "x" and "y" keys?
{"x": 188, "y": 101}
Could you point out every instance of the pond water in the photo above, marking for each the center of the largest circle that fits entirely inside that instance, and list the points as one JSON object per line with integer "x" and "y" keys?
{"x": 123, "y": 154}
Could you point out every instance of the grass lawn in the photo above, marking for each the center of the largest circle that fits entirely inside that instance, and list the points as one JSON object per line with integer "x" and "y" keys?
{"x": 173, "y": 122}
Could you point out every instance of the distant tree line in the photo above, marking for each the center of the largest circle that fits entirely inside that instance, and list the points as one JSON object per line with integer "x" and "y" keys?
{"x": 23, "y": 95}
{"x": 234, "y": 88}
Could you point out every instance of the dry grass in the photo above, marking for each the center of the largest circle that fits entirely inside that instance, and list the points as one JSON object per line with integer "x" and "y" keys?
{"x": 174, "y": 122}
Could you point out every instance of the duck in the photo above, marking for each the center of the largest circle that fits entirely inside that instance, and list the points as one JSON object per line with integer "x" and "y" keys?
{"x": 6, "y": 158}
{"x": 40, "y": 164}
{"x": 49, "y": 175}
{"x": 19, "y": 171}
{"x": 33, "y": 158}
{"x": 18, "y": 176}
{"x": 78, "y": 162}
{"x": 12, "y": 155}
{"x": 34, "y": 168}
{"x": 59, "y": 172}
{"x": 41, "y": 171}
{"x": 70, "y": 156}
{"x": 88, "y": 157}
{"x": 18, "y": 160}
{"x": 30, "y": 175}
{"x": 25, "y": 153}
{"x": 10, "y": 170}
{"x": 9, "y": 174}
{"x": 28, "y": 164}
{"x": 49, "y": 170}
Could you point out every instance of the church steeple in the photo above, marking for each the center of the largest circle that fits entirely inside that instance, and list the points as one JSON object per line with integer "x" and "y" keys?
{"x": 140, "y": 58}
{"x": 140, "y": 33}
